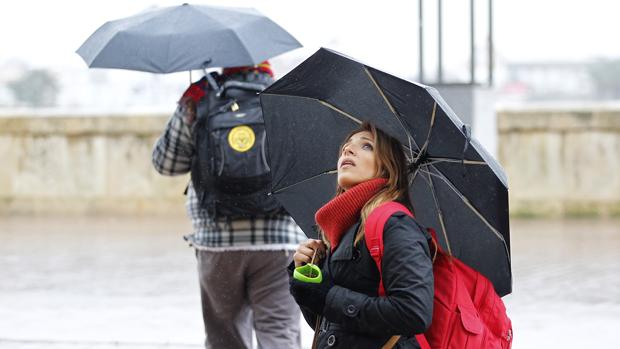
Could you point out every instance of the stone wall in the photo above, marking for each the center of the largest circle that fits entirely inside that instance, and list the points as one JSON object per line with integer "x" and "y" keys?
{"x": 561, "y": 161}
{"x": 84, "y": 164}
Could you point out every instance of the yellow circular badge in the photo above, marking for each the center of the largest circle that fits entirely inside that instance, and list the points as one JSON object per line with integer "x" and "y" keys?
{"x": 241, "y": 138}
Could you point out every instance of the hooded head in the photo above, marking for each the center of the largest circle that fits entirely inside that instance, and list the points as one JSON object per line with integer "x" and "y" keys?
{"x": 264, "y": 67}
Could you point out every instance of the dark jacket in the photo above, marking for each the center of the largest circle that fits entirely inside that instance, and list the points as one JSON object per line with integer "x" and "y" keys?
{"x": 354, "y": 315}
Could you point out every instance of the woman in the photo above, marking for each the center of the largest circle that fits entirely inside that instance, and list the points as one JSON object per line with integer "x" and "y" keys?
{"x": 371, "y": 171}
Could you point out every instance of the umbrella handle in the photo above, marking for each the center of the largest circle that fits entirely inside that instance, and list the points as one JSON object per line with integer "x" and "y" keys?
{"x": 214, "y": 86}
{"x": 316, "y": 332}
{"x": 391, "y": 342}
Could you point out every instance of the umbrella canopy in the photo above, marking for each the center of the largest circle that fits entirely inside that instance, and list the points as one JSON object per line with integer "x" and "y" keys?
{"x": 185, "y": 37}
{"x": 456, "y": 187}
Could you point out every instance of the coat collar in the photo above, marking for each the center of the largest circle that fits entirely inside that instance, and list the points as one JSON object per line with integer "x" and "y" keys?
{"x": 344, "y": 252}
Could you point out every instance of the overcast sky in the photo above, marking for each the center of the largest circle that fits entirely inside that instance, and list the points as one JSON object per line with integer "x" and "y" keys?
{"x": 380, "y": 33}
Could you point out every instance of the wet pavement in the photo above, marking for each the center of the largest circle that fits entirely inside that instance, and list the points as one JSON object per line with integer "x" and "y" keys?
{"x": 104, "y": 282}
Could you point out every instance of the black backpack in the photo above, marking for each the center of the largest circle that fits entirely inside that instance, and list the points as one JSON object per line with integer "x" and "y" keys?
{"x": 229, "y": 169}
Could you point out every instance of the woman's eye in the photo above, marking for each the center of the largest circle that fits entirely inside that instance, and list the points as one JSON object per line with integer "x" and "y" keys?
{"x": 367, "y": 146}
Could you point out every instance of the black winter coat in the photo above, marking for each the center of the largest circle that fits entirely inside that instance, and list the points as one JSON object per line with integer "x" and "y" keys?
{"x": 354, "y": 315}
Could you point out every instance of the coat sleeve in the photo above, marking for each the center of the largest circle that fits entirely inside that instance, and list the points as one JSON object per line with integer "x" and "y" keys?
{"x": 173, "y": 151}
{"x": 308, "y": 314}
{"x": 408, "y": 281}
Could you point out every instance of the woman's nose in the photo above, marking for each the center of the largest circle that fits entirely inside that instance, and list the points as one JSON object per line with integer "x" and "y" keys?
{"x": 348, "y": 149}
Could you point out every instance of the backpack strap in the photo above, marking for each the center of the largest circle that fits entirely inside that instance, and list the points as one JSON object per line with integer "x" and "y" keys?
{"x": 242, "y": 85}
{"x": 373, "y": 234}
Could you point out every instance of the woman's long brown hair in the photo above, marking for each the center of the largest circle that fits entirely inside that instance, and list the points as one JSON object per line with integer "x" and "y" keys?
{"x": 391, "y": 164}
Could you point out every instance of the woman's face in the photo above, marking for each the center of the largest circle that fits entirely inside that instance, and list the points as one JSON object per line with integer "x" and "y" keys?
{"x": 357, "y": 162}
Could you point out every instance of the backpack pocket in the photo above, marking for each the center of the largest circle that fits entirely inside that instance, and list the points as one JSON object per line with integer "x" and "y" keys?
{"x": 467, "y": 329}
{"x": 240, "y": 205}
{"x": 240, "y": 152}
{"x": 470, "y": 320}
{"x": 239, "y": 144}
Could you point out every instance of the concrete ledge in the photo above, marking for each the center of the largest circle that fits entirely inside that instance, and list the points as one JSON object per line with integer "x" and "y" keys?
{"x": 84, "y": 165}
{"x": 93, "y": 206}
{"x": 559, "y": 209}
{"x": 561, "y": 161}
{"x": 74, "y": 125}
{"x": 559, "y": 120}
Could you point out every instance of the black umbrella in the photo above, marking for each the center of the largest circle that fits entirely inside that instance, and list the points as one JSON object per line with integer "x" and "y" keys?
{"x": 457, "y": 188}
{"x": 186, "y": 37}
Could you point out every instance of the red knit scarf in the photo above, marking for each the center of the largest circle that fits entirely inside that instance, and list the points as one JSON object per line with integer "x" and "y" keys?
{"x": 340, "y": 213}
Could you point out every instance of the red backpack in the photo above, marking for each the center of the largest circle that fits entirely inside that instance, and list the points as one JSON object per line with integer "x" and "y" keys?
{"x": 467, "y": 313}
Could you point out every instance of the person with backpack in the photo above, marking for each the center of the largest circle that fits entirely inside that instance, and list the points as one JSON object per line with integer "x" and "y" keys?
{"x": 242, "y": 236}
{"x": 356, "y": 304}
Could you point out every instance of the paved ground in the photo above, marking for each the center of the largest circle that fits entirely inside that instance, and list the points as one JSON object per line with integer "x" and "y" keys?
{"x": 130, "y": 283}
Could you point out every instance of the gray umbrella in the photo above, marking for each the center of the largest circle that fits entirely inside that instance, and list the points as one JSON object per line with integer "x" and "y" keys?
{"x": 186, "y": 37}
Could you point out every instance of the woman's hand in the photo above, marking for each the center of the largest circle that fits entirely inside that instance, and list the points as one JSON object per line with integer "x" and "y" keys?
{"x": 305, "y": 251}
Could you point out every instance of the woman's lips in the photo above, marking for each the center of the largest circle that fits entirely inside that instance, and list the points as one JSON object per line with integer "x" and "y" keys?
{"x": 347, "y": 163}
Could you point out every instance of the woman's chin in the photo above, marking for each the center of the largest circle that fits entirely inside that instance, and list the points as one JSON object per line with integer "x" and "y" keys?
{"x": 347, "y": 182}
{"x": 344, "y": 183}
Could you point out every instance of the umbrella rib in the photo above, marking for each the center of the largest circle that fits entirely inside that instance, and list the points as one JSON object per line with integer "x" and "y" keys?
{"x": 413, "y": 176}
{"x": 435, "y": 160}
{"x": 233, "y": 33}
{"x": 170, "y": 42}
{"x": 374, "y": 82}
{"x": 471, "y": 207}
{"x": 339, "y": 111}
{"x": 439, "y": 212}
{"x": 428, "y": 136}
{"x": 245, "y": 48}
{"x": 409, "y": 137}
{"x": 114, "y": 27}
{"x": 305, "y": 180}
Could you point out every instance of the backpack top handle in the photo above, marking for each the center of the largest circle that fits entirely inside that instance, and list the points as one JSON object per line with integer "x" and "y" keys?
{"x": 239, "y": 85}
